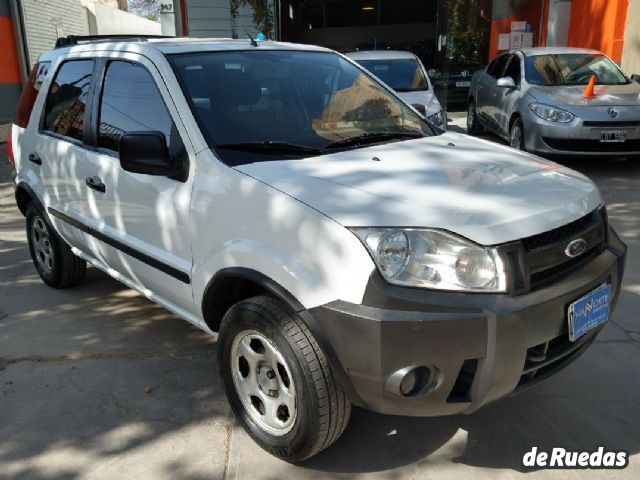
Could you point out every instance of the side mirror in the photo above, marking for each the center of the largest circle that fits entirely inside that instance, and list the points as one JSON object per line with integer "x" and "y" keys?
{"x": 636, "y": 77}
{"x": 506, "y": 82}
{"x": 420, "y": 108}
{"x": 147, "y": 153}
{"x": 432, "y": 72}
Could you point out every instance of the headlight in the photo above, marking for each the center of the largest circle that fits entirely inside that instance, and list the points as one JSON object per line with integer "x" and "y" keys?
{"x": 551, "y": 114}
{"x": 433, "y": 259}
{"x": 438, "y": 119}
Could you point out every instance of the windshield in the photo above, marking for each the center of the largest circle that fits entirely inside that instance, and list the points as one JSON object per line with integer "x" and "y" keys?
{"x": 403, "y": 75}
{"x": 572, "y": 69}
{"x": 308, "y": 99}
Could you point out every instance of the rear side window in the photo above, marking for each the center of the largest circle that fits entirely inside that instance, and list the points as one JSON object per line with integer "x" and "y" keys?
{"x": 67, "y": 98}
{"x": 130, "y": 102}
{"x": 30, "y": 93}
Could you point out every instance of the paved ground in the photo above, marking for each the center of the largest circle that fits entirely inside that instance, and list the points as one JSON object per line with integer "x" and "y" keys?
{"x": 96, "y": 382}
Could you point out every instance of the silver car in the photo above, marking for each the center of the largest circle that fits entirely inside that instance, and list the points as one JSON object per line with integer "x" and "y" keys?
{"x": 534, "y": 98}
{"x": 406, "y": 75}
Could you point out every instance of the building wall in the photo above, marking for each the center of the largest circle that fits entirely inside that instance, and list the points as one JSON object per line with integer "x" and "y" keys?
{"x": 44, "y": 22}
{"x": 212, "y": 18}
{"x": 631, "y": 49}
{"x": 10, "y": 81}
{"x": 504, "y": 13}
{"x": 106, "y": 20}
{"x": 599, "y": 24}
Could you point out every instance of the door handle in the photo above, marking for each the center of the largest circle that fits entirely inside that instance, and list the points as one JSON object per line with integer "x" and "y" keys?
{"x": 35, "y": 158}
{"x": 96, "y": 184}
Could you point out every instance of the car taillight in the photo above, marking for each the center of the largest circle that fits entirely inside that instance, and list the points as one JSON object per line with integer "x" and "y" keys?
{"x": 9, "y": 147}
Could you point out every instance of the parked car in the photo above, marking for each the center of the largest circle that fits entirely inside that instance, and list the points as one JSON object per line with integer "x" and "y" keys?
{"x": 406, "y": 75}
{"x": 345, "y": 250}
{"x": 456, "y": 81}
{"x": 534, "y": 98}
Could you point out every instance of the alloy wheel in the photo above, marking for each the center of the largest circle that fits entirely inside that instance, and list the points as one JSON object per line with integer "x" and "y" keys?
{"x": 471, "y": 115}
{"x": 516, "y": 137}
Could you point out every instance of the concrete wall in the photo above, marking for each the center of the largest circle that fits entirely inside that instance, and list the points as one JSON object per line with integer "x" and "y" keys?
{"x": 631, "y": 50}
{"x": 45, "y": 21}
{"x": 106, "y": 20}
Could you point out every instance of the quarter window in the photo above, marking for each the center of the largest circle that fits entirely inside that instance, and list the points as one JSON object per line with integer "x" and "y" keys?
{"x": 130, "y": 102}
{"x": 67, "y": 99}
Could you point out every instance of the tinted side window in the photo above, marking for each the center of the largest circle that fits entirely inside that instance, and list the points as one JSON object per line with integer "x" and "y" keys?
{"x": 30, "y": 92}
{"x": 513, "y": 69}
{"x": 495, "y": 69}
{"x": 130, "y": 102}
{"x": 67, "y": 99}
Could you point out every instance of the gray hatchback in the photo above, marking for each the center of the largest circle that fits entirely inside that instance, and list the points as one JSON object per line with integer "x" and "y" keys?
{"x": 535, "y": 98}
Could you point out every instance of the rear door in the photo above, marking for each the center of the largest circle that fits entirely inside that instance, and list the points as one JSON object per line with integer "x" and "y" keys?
{"x": 140, "y": 222}
{"x": 59, "y": 148}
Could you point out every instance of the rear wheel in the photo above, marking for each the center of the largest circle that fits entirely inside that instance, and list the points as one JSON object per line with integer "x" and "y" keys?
{"x": 516, "y": 135}
{"x": 278, "y": 381}
{"x": 473, "y": 127}
{"x": 54, "y": 261}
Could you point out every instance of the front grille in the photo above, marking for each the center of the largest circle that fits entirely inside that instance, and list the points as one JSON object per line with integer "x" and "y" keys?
{"x": 579, "y": 145}
{"x": 536, "y": 261}
{"x": 547, "y": 358}
{"x": 562, "y": 233}
{"x": 613, "y": 123}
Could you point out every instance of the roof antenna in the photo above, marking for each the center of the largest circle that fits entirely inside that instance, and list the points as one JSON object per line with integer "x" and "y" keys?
{"x": 253, "y": 40}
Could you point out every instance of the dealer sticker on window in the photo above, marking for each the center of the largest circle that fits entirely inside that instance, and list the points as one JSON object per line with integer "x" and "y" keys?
{"x": 589, "y": 311}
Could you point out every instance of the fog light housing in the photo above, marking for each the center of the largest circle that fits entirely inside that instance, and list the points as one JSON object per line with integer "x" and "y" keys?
{"x": 413, "y": 381}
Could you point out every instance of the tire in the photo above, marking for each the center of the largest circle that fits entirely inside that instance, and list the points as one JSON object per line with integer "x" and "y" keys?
{"x": 301, "y": 378}
{"x": 473, "y": 127}
{"x": 516, "y": 135}
{"x": 56, "y": 264}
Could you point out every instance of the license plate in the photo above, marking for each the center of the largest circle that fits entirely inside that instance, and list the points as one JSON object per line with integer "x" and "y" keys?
{"x": 589, "y": 311}
{"x": 463, "y": 84}
{"x": 613, "y": 136}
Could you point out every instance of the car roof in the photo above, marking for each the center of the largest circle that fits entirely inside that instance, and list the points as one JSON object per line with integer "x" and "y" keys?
{"x": 177, "y": 45}
{"x": 380, "y": 55}
{"x": 531, "y": 52}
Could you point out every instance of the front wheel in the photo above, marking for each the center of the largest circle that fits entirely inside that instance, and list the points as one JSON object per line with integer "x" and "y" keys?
{"x": 278, "y": 381}
{"x": 473, "y": 127}
{"x": 516, "y": 135}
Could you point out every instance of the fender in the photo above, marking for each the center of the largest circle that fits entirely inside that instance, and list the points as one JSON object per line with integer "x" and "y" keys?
{"x": 22, "y": 185}
{"x": 282, "y": 294}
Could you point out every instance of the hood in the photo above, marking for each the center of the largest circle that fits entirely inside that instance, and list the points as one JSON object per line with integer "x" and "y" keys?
{"x": 485, "y": 192}
{"x": 606, "y": 95}
{"x": 426, "y": 98}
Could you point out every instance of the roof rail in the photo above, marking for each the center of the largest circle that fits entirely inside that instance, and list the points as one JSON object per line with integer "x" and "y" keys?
{"x": 70, "y": 40}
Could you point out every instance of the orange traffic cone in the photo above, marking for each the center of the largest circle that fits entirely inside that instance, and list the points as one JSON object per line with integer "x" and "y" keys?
{"x": 589, "y": 91}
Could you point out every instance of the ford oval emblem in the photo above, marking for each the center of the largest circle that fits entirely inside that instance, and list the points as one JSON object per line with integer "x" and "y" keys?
{"x": 575, "y": 247}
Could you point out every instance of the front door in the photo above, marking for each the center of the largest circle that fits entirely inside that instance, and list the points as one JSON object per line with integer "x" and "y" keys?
{"x": 142, "y": 221}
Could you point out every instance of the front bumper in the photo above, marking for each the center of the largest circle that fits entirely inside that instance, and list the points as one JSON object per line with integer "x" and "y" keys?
{"x": 581, "y": 137}
{"x": 479, "y": 347}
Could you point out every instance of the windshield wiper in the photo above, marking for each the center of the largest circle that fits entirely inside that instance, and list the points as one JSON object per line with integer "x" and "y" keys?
{"x": 272, "y": 147}
{"x": 371, "y": 137}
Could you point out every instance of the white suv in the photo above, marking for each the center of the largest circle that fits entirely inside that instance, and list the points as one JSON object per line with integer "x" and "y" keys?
{"x": 346, "y": 251}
